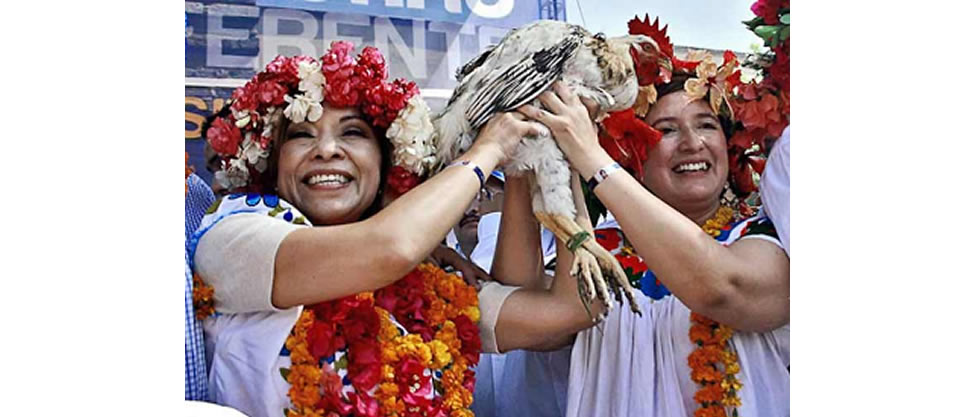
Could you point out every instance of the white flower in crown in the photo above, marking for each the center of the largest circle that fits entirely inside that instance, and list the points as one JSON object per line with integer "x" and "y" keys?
{"x": 242, "y": 118}
{"x": 312, "y": 81}
{"x": 412, "y": 137}
{"x": 233, "y": 174}
{"x": 303, "y": 107}
{"x": 252, "y": 152}
{"x": 269, "y": 120}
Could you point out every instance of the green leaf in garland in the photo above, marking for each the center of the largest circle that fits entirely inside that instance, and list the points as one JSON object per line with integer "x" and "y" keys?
{"x": 766, "y": 32}
{"x": 784, "y": 19}
{"x": 213, "y": 207}
{"x": 284, "y": 374}
{"x": 755, "y": 22}
{"x": 784, "y": 33}
{"x": 342, "y": 363}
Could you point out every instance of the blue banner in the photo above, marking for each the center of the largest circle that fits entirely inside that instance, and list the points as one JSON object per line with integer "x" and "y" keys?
{"x": 498, "y": 13}
{"x": 228, "y": 41}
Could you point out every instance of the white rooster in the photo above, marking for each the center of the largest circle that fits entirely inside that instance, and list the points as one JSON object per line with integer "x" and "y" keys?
{"x": 513, "y": 73}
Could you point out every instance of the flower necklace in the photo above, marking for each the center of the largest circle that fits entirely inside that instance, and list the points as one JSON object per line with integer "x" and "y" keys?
{"x": 393, "y": 371}
{"x": 714, "y": 363}
{"x": 202, "y": 298}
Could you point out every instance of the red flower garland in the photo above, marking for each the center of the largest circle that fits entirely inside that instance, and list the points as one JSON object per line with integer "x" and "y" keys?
{"x": 438, "y": 309}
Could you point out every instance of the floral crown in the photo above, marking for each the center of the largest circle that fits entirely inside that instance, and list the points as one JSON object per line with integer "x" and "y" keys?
{"x": 624, "y": 135}
{"x": 296, "y": 87}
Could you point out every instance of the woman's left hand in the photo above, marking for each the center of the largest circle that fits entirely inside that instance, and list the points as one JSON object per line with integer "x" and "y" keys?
{"x": 570, "y": 121}
{"x": 473, "y": 274}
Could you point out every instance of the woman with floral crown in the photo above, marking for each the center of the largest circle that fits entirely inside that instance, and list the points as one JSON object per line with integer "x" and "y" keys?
{"x": 312, "y": 300}
{"x": 714, "y": 336}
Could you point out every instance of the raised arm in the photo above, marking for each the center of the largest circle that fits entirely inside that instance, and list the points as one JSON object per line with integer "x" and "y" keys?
{"x": 545, "y": 319}
{"x": 324, "y": 263}
{"x": 518, "y": 255}
{"x": 745, "y": 285}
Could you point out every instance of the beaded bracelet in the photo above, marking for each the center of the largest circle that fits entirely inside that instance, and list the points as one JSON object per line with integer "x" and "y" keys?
{"x": 477, "y": 169}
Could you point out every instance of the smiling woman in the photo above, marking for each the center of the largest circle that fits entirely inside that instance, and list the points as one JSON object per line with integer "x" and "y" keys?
{"x": 330, "y": 166}
{"x": 714, "y": 340}
{"x": 321, "y": 308}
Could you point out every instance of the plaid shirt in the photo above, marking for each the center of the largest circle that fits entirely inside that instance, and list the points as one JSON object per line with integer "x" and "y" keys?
{"x": 198, "y": 199}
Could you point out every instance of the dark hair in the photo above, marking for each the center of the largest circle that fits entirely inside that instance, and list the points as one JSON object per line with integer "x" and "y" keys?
{"x": 266, "y": 183}
{"x": 676, "y": 84}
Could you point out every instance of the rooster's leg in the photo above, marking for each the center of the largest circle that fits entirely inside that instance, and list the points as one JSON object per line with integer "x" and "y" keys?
{"x": 583, "y": 258}
{"x": 606, "y": 261}
{"x": 584, "y": 275}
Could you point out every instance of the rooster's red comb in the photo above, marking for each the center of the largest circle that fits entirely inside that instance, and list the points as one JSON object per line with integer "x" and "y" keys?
{"x": 643, "y": 27}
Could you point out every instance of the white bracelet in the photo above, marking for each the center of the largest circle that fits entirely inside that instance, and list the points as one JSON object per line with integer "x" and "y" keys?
{"x": 602, "y": 173}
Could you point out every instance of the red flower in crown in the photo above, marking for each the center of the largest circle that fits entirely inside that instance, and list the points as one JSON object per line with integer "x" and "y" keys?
{"x": 385, "y": 100}
{"x": 245, "y": 98}
{"x": 628, "y": 139}
{"x": 282, "y": 70}
{"x": 769, "y": 10}
{"x": 339, "y": 57}
{"x": 401, "y": 180}
{"x": 349, "y": 81}
{"x": 271, "y": 93}
{"x": 372, "y": 65}
{"x": 224, "y": 137}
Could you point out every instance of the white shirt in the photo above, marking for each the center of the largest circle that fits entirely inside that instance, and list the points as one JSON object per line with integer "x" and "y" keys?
{"x": 774, "y": 188}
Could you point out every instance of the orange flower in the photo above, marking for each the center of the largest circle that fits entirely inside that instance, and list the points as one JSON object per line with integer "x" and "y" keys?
{"x": 717, "y": 386}
{"x": 710, "y": 393}
{"x": 202, "y": 298}
{"x": 701, "y": 334}
{"x": 304, "y": 385}
{"x": 711, "y": 411}
{"x": 723, "y": 333}
{"x": 701, "y": 319}
{"x": 707, "y": 355}
{"x": 705, "y": 374}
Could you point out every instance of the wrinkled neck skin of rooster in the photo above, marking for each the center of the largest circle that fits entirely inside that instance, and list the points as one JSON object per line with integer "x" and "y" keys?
{"x": 688, "y": 168}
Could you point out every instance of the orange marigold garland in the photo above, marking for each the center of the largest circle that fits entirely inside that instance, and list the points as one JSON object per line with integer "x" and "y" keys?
{"x": 202, "y": 298}
{"x": 714, "y": 363}
{"x": 392, "y": 373}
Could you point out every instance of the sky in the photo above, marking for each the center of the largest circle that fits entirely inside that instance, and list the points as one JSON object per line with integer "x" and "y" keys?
{"x": 713, "y": 24}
